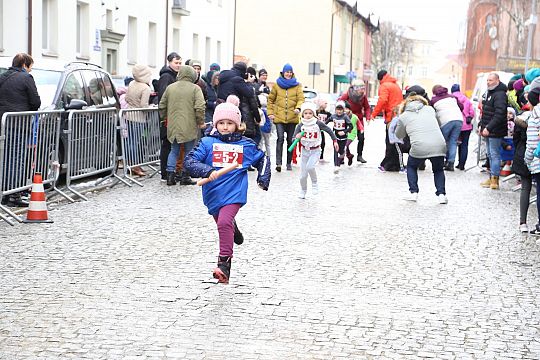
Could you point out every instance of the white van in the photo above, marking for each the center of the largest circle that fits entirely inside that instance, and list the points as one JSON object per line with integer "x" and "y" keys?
{"x": 480, "y": 88}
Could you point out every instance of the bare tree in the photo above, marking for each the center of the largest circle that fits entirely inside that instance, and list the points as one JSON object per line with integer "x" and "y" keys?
{"x": 390, "y": 49}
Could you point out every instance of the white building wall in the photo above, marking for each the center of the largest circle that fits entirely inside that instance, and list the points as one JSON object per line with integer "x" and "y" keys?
{"x": 212, "y": 19}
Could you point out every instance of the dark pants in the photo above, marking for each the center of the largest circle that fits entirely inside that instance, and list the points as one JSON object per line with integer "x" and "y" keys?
{"x": 524, "y": 198}
{"x": 338, "y": 155}
{"x": 165, "y": 150}
{"x": 323, "y": 143}
{"x": 437, "y": 164}
{"x": 391, "y": 156}
{"x": 536, "y": 177}
{"x": 463, "y": 149}
{"x": 360, "y": 148}
{"x": 281, "y": 130}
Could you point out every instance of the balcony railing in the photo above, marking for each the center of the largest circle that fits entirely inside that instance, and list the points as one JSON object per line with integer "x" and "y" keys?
{"x": 179, "y": 7}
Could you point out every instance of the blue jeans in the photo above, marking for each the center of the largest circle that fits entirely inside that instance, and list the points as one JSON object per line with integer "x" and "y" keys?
{"x": 494, "y": 155}
{"x": 437, "y": 164}
{"x": 175, "y": 151}
{"x": 451, "y": 131}
{"x": 135, "y": 134}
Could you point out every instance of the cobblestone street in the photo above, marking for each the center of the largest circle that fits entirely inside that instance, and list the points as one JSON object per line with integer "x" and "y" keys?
{"x": 352, "y": 273}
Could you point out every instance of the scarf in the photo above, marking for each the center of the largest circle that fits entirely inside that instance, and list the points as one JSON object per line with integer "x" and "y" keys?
{"x": 286, "y": 84}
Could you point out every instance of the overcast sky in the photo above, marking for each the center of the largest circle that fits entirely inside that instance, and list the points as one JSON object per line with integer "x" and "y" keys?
{"x": 433, "y": 19}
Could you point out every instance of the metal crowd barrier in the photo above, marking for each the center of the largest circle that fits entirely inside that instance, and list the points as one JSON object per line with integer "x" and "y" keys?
{"x": 28, "y": 145}
{"x": 91, "y": 145}
{"x": 141, "y": 144}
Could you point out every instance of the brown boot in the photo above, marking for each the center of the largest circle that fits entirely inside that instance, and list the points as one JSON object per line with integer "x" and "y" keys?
{"x": 494, "y": 183}
{"x": 486, "y": 183}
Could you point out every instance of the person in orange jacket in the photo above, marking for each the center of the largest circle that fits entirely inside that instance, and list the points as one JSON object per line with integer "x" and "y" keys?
{"x": 390, "y": 96}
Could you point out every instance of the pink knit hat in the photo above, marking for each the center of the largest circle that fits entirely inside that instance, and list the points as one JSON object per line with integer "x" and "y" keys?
{"x": 228, "y": 111}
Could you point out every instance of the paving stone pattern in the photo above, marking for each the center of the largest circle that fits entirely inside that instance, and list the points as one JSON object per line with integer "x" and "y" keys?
{"x": 353, "y": 273}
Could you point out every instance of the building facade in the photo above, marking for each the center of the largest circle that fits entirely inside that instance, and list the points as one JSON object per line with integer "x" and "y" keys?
{"x": 497, "y": 34}
{"x": 327, "y": 44}
{"x": 116, "y": 34}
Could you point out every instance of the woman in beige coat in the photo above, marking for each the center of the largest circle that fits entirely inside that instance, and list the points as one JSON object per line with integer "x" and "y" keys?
{"x": 137, "y": 96}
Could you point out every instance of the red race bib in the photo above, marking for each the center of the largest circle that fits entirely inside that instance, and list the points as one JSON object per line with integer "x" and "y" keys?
{"x": 226, "y": 154}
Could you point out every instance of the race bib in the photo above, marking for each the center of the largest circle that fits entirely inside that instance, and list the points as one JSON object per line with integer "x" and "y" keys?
{"x": 226, "y": 154}
{"x": 310, "y": 135}
{"x": 339, "y": 125}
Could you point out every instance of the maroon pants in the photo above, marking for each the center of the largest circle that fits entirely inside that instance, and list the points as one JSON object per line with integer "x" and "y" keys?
{"x": 224, "y": 220}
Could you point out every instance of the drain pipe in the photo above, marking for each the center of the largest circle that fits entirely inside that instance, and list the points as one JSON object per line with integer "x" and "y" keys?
{"x": 30, "y": 27}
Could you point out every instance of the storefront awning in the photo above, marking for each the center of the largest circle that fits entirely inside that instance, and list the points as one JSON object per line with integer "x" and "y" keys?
{"x": 341, "y": 79}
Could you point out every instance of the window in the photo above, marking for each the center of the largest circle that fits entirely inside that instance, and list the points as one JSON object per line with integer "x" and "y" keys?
{"x": 195, "y": 49}
{"x": 218, "y": 52}
{"x": 152, "y": 43}
{"x": 109, "y": 92}
{"x": 176, "y": 39}
{"x": 424, "y": 71}
{"x": 132, "y": 40}
{"x": 82, "y": 41}
{"x": 73, "y": 89}
{"x": 207, "y": 52}
{"x": 109, "y": 20}
{"x": 49, "y": 26}
{"x": 95, "y": 88}
{"x": 410, "y": 71}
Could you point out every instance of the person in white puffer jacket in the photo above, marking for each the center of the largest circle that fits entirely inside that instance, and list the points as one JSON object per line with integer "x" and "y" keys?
{"x": 533, "y": 139}
{"x": 448, "y": 110}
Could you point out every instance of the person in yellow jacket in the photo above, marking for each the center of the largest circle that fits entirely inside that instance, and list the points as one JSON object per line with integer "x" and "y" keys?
{"x": 283, "y": 107}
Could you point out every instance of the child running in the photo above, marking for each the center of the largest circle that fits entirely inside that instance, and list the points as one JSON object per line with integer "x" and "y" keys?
{"x": 225, "y": 194}
{"x": 342, "y": 126}
{"x": 356, "y": 127}
{"x": 311, "y": 145}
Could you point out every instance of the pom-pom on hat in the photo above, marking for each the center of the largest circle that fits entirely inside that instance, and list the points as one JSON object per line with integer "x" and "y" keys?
{"x": 308, "y": 105}
{"x": 228, "y": 111}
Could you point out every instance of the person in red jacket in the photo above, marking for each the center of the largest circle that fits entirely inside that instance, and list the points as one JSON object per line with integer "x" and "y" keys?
{"x": 390, "y": 96}
{"x": 356, "y": 97}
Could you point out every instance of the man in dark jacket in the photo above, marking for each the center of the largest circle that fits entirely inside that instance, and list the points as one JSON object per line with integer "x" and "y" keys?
{"x": 493, "y": 126}
{"x": 167, "y": 76}
{"x": 231, "y": 82}
{"x": 18, "y": 92}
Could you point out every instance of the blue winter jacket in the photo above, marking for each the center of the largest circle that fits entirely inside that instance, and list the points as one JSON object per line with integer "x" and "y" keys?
{"x": 230, "y": 188}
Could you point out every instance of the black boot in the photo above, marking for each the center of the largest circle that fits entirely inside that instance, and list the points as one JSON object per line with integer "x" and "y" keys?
{"x": 238, "y": 237}
{"x": 223, "y": 270}
{"x": 185, "y": 179}
{"x": 170, "y": 178}
{"x": 14, "y": 200}
{"x": 449, "y": 166}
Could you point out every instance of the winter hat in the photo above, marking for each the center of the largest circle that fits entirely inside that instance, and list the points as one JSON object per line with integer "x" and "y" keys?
{"x": 519, "y": 85}
{"x": 511, "y": 110}
{"x": 340, "y": 104}
{"x": 193, "y": 63}
{"x": 240, "y": 66}
{"x": 517, "y": 77}
{"x": 455, "y": 88}
{"x": 381, "y": 74}
{"x": 228, "y": 111}
{"x": 210, "y": 75}
{"x": 533, "y": 96}
{"x": 215, "y": 67}
{"x": 127, "y": 80}
{"x": 358, "y": 82}
{"x": 308, "y": 105}
{"x": 534, "y": 84}
{"x": 532, "y": 74}
{"x": 188, "y": 62}
{"x": 287, "y": 67}
{"x": 527, "y": 88}
{"x": 263, "y": 72}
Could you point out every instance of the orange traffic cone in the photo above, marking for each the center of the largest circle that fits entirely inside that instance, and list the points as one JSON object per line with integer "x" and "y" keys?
{"x": 507, "y": 169}
{"x": 37, "y": 209}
